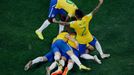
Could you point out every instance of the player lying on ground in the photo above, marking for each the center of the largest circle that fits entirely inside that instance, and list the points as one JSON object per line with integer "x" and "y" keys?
{"x": 59, "y": 45}
{"x": 65, "y": 57}
{"x": 49, "y": 57}
{"x": 81, "y": 26}
{"x": 58, "y": 7}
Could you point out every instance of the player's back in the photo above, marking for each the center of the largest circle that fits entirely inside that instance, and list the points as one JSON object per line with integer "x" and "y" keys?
{"x": 67, "y": 5}
{"x": 82, "y": 29}
{"x": 61, "y": 36}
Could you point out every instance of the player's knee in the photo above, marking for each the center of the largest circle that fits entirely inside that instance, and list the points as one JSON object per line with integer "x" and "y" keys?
{"x": 45, "y": 58}
{"x": 63, "y": 58}
{"x": 70, "y": 53}
{"x": 41, "y": 58}
{"x": 70, "y": 61}
{"x": 57, "y": 56}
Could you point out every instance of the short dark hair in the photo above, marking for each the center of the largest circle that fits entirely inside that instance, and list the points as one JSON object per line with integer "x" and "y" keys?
{"x": 79, "y": 13}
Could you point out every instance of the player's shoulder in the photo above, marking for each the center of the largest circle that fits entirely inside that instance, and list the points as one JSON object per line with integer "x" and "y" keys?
{"x": 74, "y": 22}
{"x": 64, "y": 33}
{"x": 87, "y": 16}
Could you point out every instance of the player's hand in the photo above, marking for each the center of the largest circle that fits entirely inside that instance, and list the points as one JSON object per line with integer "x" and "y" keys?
{"x": 101, "y": 1}
{"x": 62, "y": 23}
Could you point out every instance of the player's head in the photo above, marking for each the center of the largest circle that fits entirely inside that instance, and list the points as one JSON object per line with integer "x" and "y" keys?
{"x": 72, "y": 33}
{"x": 64, "y": 31}
{"x": 78, "y": 14}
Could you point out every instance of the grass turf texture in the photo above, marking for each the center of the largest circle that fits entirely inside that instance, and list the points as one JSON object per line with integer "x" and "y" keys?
{"x": 112, "y": 25}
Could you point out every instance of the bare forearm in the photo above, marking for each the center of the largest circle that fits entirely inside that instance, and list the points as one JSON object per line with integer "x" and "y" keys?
{"x": 60, "y": 22}
{"x": 67, "y": 18}
{"x": 97, "y": 7}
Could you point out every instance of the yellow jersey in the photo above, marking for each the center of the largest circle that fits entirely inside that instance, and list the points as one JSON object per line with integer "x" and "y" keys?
{"x": 68, "y": 6}
{"x": 71, "y": 43}
{"x": 82, "y": 29}
{"x": 61, "y": 36}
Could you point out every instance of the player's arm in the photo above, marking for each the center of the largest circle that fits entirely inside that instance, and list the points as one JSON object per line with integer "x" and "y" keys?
{"x": 97, "y": 7}
{"x": 61, "y": 22}
{"x": 72, "y": 39}
{"x": 67, "y": 18}
{"x": 67, "y": 27}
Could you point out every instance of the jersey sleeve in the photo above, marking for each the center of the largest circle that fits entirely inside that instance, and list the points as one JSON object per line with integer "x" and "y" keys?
{"x": 71, "y": 13}
{"x": 89, "y": 16}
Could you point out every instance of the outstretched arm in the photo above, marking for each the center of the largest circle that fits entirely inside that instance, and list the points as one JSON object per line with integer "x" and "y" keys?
{"x": 61, "y": 22}
{"x": 97, "y": 7}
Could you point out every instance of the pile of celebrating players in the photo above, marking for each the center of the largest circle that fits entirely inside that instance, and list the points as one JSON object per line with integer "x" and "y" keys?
{"x": 68, "y": 47}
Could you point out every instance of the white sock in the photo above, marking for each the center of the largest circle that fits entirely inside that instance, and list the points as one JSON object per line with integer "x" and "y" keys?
{"x": 87, "y": 56}
{"x": 44, "y": 25}
{"x": 37, "y": 60}
{"x": 76, "y": 60}
{"x": 52, "y": 66}
{"x": 98, "y": 47}
{"x": 62, "y": 62}
{"x": 61, "y": 28}
{"x": 70, "y": 65}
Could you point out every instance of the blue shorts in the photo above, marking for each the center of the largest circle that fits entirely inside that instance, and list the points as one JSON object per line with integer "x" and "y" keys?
{"x": 55, "y": 48}
{"x": 53, "y": 11}
{"x": 82, "y": 48}
{"x": 61, "y": 46}
{"x": 76, "y": 52}
{"x": 49, "y": 56}
{"x": 68, "y": 57}
{"x": 93, "y": 41}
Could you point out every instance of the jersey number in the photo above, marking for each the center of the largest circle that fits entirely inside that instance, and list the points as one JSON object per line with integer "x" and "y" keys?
{"x": 69, "y": 1}
{"x": 83, "y": 32}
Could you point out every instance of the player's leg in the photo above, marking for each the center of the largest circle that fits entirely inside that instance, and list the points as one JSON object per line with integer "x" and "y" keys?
{"x": 60, "y": 66}
{"x": 84, "y": 55}
{"x": 70, "y": 62}
{"x": 69, "y": 67}
{"x": 56, "y": 50}
{"x": 52, "y": 14}
{"x": 63, "y": 18}
{"x": 43, "y": 26}
{"x": 57, "y": 56}
{"x": 98, "y": 47}
{"x": 65, "y": 48}
{"x": 54, "y": 65}
{"x": 34, "y": 61}
{"x": 70, "y": 52}
{"x": 47, "y": 57}
{"x": 51, "y": 67}
{"x": 76, "y": 60}
{"x": 90, "y": 57}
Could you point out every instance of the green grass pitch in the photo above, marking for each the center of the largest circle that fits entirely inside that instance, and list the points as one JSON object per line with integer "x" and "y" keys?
{"x": 112, "y": 25}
